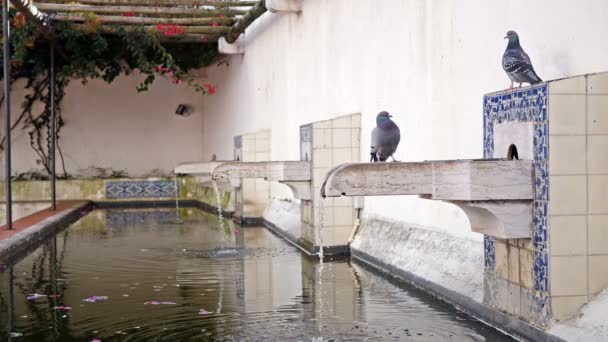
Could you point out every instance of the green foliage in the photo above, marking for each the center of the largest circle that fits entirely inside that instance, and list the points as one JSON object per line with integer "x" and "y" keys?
{"x": 88, "y": 54}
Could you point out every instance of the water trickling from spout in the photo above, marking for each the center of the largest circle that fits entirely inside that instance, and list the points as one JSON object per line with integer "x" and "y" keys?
{"x": 320, "y": 230}
{"x": 176, "y": 198}
{"x": 218, "y": 201}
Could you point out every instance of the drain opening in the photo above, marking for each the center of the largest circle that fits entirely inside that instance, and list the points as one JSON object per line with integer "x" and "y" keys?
{"x": 512, "y": 153}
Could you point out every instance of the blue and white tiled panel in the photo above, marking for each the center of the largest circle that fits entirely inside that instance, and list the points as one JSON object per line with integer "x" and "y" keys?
{"x": 141, "y": 189}
{"x": 524, "y": 105}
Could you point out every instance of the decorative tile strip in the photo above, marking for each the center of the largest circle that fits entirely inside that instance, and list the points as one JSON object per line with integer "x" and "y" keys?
{"x": 141, "y": 189}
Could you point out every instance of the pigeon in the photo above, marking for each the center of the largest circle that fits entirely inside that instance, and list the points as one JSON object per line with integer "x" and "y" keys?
{"x": 385, "y": 138}
{"x": 516, "y": 62}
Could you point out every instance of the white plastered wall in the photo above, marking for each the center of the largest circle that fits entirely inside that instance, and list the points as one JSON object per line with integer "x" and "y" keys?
{"x": 114, "y": 126}
{"x": 428, "y": 62}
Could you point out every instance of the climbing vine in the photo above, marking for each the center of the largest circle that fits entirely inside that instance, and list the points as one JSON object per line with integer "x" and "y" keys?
{"x": 88, "y": 54}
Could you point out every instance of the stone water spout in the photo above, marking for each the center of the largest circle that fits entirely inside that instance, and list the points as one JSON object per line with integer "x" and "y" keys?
{"x": 295, "y": 174}
{"x": 496, "y": 194}
{"x": 201, "y": 171}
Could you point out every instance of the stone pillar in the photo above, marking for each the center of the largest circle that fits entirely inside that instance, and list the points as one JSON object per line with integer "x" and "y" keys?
{"x": 328, "y": 222}
{"x": 252, "y": 197}
{"x": 566, "y": 262}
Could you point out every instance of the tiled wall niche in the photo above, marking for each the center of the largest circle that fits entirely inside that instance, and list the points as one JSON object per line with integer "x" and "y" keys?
{"x": 329, "y": 222}
{"x": 566, "y": 262}
{"x": 254, "y": 194}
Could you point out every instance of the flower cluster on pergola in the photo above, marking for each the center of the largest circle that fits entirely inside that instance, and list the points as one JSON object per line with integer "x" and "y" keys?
{"x": 201, "y": 21}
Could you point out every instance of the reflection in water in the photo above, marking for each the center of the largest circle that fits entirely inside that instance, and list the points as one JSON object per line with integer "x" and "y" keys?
{"x": 202, "y": 279}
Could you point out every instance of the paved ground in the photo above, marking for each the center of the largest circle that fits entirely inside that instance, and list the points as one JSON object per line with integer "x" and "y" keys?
{"x": 30, "y": 220}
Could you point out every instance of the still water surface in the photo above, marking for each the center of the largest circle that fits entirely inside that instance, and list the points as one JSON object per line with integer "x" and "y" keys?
{"x": 139, "y": 275}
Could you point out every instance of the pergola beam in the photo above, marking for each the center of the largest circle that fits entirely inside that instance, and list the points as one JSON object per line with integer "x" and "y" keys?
{"x": 152, "y": 28}
{"x": 108, "y": 19}
{"x": 249, "y": 17}
{"x": 159, "y": 11}
{"x": 149, "y": 3}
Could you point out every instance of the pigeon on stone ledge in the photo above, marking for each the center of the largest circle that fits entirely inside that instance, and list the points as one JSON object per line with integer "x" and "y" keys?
{"x": 385, "y": 138}
{"x": 516, "y": 62}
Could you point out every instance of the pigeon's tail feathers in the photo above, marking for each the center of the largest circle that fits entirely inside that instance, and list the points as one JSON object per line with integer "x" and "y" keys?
{"x": 375, "y": 140}
{"x": 533, "y": 77}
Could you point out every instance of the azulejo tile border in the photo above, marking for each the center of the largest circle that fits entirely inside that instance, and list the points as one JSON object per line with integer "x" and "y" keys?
{"x": 525, "y": 105}
{"x": 141, "y": 189}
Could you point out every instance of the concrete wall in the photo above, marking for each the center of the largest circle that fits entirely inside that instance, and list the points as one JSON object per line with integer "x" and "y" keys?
{"x": 114, "y": 126}
{"x": 428, "y": 62}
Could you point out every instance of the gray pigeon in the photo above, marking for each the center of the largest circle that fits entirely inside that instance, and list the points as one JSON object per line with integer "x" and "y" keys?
{"x": 516, "y": 62}
{"x": 385, "y": 138}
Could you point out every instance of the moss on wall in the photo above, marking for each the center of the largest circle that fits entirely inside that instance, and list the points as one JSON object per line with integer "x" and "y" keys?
{"x": 190, "y": 188}
{"x": 94, "y": 189}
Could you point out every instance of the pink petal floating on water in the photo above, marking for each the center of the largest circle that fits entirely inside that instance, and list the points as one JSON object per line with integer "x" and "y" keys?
{"x": 203, "y": 312}
{"x": 159, "y": 303}
{"x": 94, "y": 299}
{"x": 34, "y": 296}
{"x": 95, "y": 340}
{"x": 63, "y": 307}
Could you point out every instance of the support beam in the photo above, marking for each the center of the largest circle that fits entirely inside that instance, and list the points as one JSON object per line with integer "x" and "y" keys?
{"x": 190, "y": 38}
{"x": 284, "y": 6}
{"x": 229, "y": 49}
{"x": 159, "y": 11}
{"x": 152, "y": 28}
{"x": 115, "y": 19}
{"x": 249, "y": 17}
{"x": 191, "y": 3}
{"x": 53, "y": 129}
{"x": 7, "y": 113}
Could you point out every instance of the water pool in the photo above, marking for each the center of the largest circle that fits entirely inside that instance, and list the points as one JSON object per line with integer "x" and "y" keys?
{"x": 142, "y": 275}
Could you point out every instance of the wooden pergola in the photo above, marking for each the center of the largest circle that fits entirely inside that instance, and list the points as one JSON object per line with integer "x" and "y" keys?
{"x": 193, "y": 21}
{"x": 202, "y": 21}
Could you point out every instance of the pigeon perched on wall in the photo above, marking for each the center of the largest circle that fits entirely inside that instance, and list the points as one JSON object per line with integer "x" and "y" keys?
{"x": 385, "y": 138}
{"x": 516, "y": 62}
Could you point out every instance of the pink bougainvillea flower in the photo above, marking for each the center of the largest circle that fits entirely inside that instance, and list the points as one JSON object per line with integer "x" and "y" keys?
{"x": 160, "y": 28}
{"x": 214, "y": 24}
{"x": 170, "y": 74}
{"x": 173, "y": 30}
{"x": 210, "y": 88}
{"x": 128, "y": 14}
{"x": 177, "y": 81}
{"x": 159, "y": 68}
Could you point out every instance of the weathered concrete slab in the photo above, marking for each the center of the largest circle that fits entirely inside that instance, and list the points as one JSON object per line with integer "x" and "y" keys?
{"x": 496, "y": 195}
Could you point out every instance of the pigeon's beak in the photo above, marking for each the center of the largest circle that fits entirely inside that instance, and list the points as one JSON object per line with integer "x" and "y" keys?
{"x": 390, "y": 116}
{"x": 506, "y": 37}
